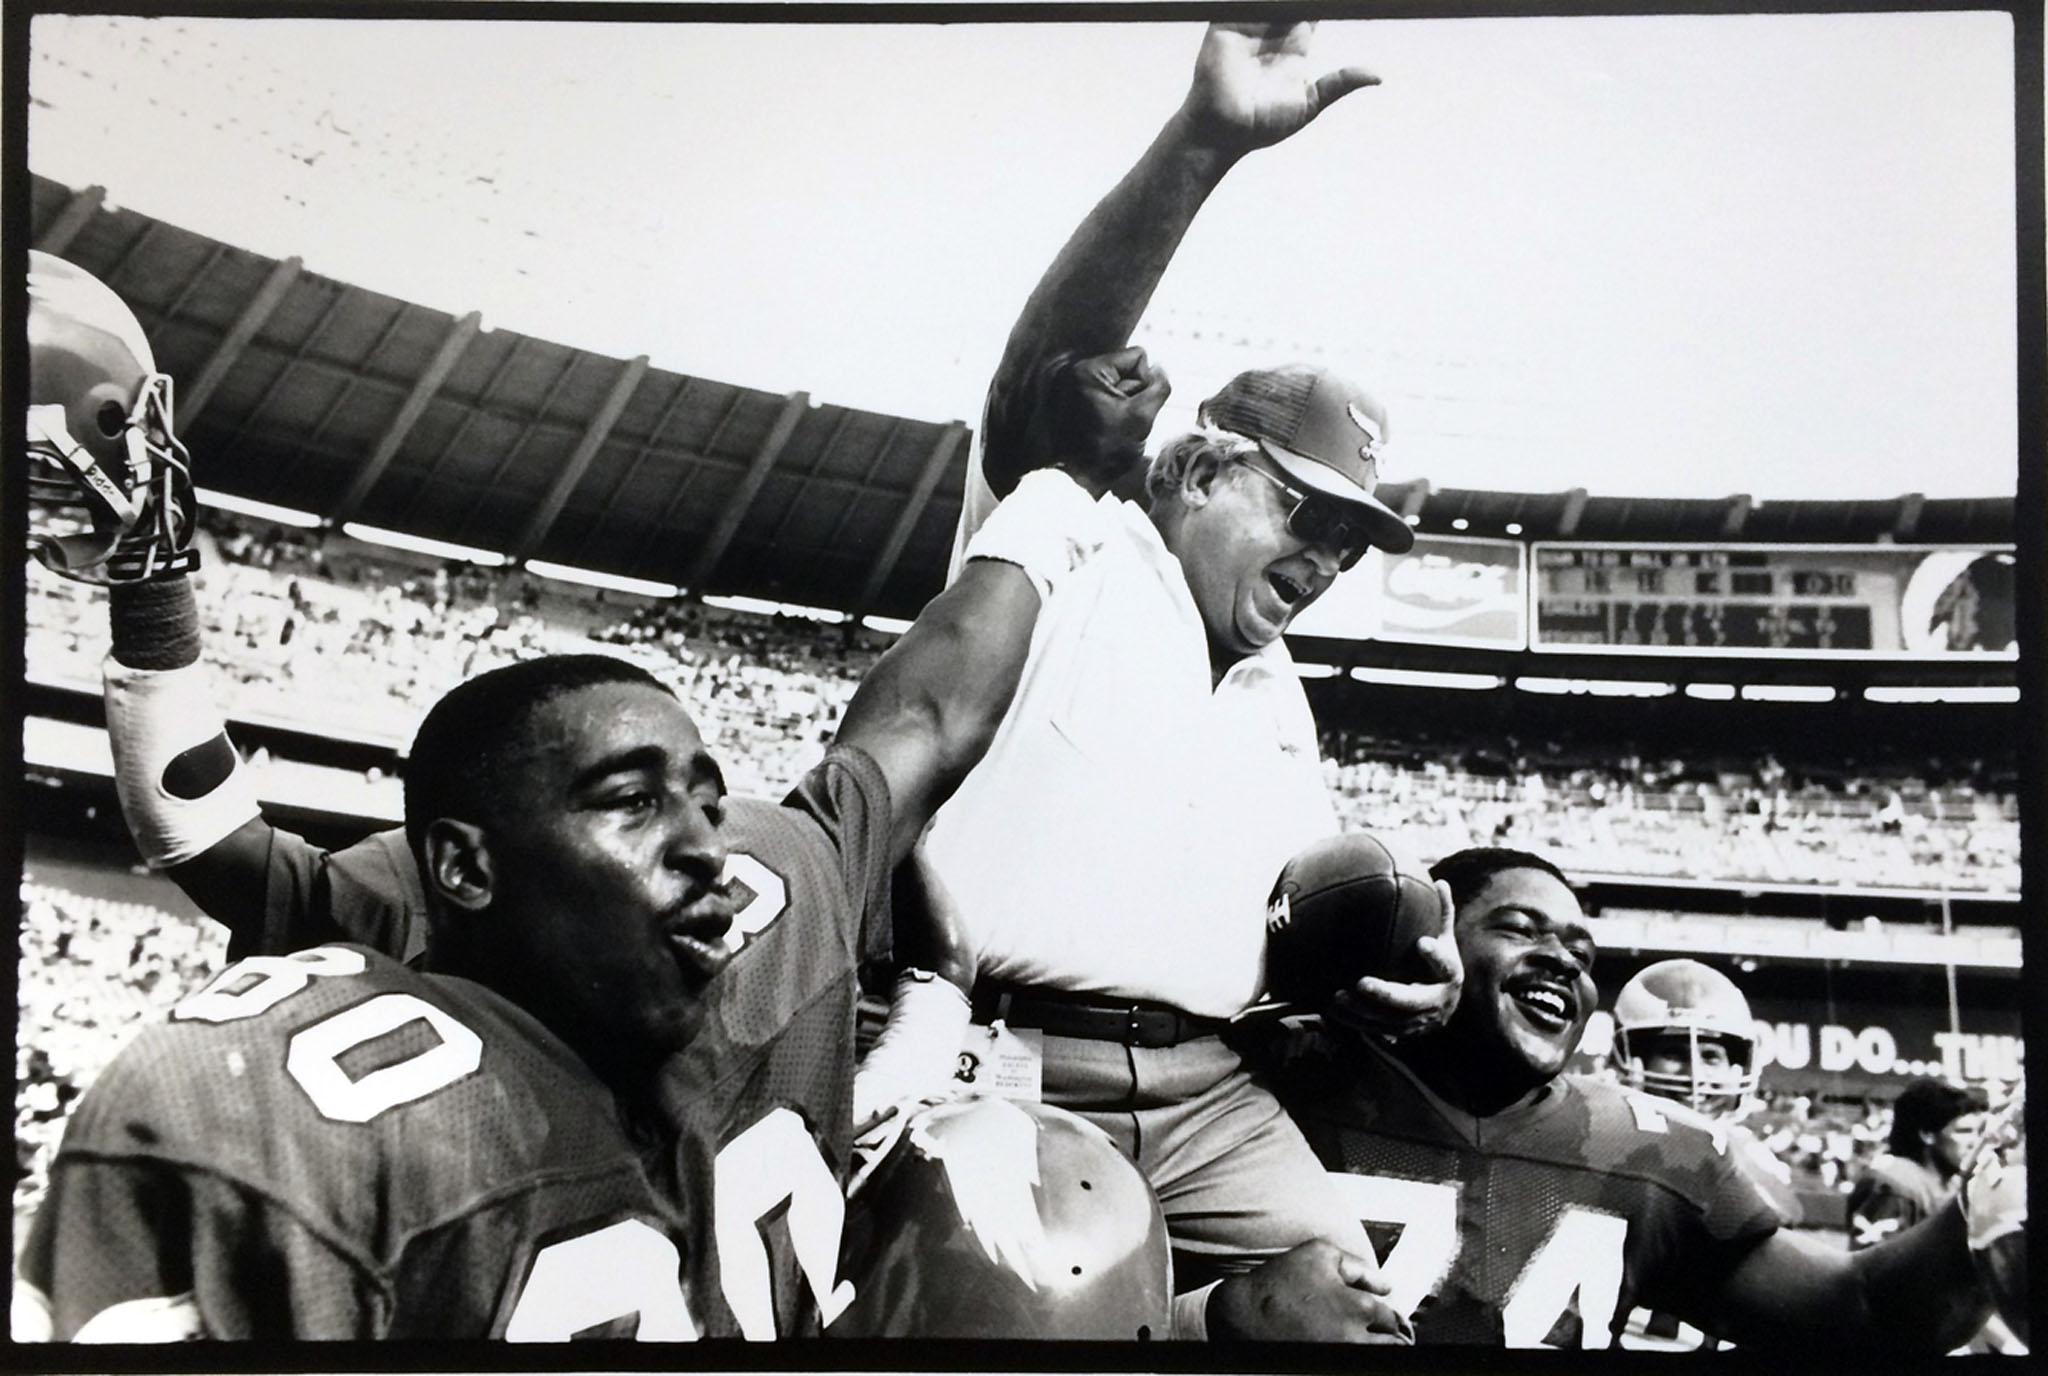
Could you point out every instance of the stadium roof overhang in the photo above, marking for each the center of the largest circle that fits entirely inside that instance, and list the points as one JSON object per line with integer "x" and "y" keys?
{"x": 305, "y": 392}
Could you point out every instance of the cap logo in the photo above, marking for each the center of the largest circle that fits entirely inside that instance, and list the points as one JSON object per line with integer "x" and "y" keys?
{"x": 1366, "y": 423}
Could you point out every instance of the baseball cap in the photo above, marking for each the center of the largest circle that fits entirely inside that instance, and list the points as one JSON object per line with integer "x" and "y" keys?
{"x": 1322, "y": 429}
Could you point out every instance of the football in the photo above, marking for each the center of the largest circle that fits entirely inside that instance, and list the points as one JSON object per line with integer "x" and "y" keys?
{"x": 1342, "y": 909}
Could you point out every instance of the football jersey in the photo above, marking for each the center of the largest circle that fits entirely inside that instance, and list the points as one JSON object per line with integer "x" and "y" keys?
{"x": 754, "y": 1115}
{"x": 1652, "y": 1331}
{"x": 761, "y": 1101}
{"x": 1541, "y": 1226}
{"x": 368, "y": 893}
{"x": 331, "y": 1145}
{"x": 1893, "y": 1193}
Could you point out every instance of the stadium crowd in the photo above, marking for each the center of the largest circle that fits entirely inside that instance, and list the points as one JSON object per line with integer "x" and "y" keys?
{"x": 358, "y": 640}
{"x": 312, "y": 628}
{"x": 94, "y": 971}
{"x": 1733, "y": 821}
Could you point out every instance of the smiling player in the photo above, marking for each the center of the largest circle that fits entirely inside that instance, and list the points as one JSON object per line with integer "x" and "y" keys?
{"x": 1537, "y": 1209}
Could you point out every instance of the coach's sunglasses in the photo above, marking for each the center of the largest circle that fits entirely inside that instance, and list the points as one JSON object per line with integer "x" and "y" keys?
{"x": 1317, "y": 518}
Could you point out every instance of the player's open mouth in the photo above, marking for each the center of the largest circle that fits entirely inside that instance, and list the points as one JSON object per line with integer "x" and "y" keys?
{"x": 697, "y": 935}
{"x": 1290, "y": 591}
{"x": 1543, "y": 1003}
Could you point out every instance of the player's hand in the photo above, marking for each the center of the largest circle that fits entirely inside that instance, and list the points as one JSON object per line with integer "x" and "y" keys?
{"x": 1395, "y": 1010}
{"x": 1317, "y": 1292}
{"x": 1091, "y": 416}
{"x": 1993, "y": 1196}
{"x": 1254, "y": 86}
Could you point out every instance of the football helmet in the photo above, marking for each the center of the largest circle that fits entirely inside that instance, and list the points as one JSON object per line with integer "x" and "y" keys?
{"x": 110, "y": 486}
{"x": 996, "y": 1219}
{"x": 1679, "y": 1006}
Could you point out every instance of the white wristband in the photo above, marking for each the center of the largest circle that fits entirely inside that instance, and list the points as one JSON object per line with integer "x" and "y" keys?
{"x": 183, "y": 787}
{"x": 1049, "y": 527}
{"x": 919, "y": 1048}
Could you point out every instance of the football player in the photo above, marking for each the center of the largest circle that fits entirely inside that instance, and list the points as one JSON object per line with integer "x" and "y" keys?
{"x": 1537, "y": 1209}
{"x": 1683, "y": 1031}
{"x": 1935, "y": 1128}
{"x": 271, "y": 1161}
{"x": 539, "y": 1139}
{"x": 1934, "y": 1124}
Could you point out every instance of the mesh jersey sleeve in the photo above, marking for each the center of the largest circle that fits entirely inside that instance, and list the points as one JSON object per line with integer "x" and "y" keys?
{"x": 848, "y": 796}
{"x": 368, "y": 894}
{"x": 136, "y": 1250}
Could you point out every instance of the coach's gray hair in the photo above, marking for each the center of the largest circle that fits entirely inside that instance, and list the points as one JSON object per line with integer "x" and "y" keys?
{"x": 1171, "y": 464}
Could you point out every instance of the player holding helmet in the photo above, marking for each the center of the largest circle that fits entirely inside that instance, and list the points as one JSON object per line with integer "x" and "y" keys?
{"x": 331, "y": 1144}
{"x": 1537, "y": 1208}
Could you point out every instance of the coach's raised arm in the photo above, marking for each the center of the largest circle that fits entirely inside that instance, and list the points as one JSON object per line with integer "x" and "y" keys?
{"x": 1254, "y": 85}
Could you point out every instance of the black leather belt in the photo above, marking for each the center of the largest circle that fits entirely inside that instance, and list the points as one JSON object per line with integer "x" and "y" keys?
{"x": 1133, "y": 1022}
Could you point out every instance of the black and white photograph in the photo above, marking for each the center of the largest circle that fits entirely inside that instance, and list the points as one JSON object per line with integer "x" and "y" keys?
{"x": 1020, "y": 677}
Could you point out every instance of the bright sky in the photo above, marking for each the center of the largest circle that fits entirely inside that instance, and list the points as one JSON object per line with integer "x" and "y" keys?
{"x": 1649, "y": 256}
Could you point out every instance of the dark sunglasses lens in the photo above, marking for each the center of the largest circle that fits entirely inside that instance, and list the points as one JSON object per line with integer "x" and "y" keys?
{"x": 1325, "y": 524}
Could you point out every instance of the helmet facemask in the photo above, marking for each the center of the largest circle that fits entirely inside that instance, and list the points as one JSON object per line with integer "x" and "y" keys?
{"x": 1717, "y": 1085}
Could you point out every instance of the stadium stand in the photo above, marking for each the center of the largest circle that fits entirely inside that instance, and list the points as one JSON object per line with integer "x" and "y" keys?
{"x": 95, "y": 968}
{"x": 348, "y": 639}
{"x": 356, "y": 641}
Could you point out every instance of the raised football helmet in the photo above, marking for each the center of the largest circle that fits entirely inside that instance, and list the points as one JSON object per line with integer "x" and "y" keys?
{"x": 110, "y": 487}
{"x": 995, "y": 1219}
{"x": 1670, "y": 1012}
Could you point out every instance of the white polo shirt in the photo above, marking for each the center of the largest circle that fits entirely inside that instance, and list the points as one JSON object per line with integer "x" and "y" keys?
{"x": 1125, "y": 829}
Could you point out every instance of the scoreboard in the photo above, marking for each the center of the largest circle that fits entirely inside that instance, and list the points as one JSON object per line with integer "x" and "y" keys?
{"x": 1799, "y": 600}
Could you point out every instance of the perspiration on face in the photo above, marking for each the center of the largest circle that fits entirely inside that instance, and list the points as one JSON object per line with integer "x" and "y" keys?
{"x": 1248, "y": 573}
{"x": 607, "y": 910}
{"x": 1528, "y": 972}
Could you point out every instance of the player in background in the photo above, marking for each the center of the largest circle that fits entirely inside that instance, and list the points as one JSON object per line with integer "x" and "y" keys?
{"x": 1537, "y": 1209}
{"x": 763, "y": 1048}
{"x": 1683, "y": 1031}
{"x": 1160, "y": 745}
{"x": 1935, "y": 1125}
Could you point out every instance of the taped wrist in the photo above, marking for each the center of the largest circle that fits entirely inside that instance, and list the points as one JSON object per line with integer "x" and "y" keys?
{"x": 182, "y": 785}
{"x": 156, "y": 624}
{"x": 1049, "y": 527}
{"x": 919, "y": 1047}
